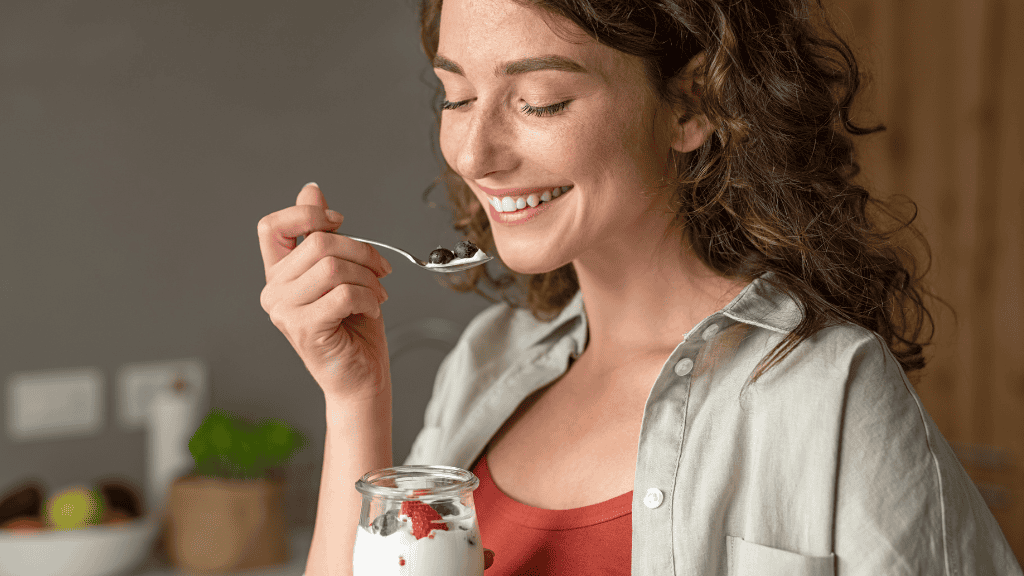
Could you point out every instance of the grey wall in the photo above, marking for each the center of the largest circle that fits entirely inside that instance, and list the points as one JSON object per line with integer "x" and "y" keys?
{"x": 141, "y": 142}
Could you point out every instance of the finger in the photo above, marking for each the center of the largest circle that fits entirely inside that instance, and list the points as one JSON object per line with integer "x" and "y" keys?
{"x": 341, "y": 302}
{"x": 310, "y": 195}
{"x": 278, "y": 231}
{"x": 319, "y": 245}
{"x": 331, "y": 272}
{"x": 366, "y": 255}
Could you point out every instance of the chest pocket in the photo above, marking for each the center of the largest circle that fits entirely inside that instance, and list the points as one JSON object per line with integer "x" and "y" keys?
{"x": 749, "y": 559}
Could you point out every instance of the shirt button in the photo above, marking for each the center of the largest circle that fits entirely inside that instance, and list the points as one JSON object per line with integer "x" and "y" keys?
{"x": 654, "y": 498}
{"x": 684, "y": 366}
{"x": 710, "y": 332}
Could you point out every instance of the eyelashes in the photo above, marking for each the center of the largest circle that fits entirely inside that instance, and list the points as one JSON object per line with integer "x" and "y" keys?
{"x": 527, "y": 109}
{"x": 545, "y": 110}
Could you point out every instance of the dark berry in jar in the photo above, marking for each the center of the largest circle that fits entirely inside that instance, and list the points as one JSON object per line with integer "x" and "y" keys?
{"x": 465, "y": 249}
{"x": 445, "y": 508}
{"x": 387, "y": 523}
{"x": 441, "y": 256}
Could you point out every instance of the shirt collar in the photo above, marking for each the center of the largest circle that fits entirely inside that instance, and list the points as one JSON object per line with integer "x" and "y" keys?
{"x": 759, "y": 304}
{"x": 762, "y": 304}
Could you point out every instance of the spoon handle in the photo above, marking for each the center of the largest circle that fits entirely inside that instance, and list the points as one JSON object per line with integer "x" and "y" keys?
{"x": 412, "y": 258}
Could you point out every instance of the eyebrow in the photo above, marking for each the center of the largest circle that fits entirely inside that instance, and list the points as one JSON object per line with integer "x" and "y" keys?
{"x": 522, "y": 66}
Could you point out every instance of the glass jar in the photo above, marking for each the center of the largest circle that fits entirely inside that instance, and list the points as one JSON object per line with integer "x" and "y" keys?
{"x": 420, "y": 521}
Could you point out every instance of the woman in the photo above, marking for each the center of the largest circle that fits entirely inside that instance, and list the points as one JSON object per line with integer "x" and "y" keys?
{"x": 707, "y": 374}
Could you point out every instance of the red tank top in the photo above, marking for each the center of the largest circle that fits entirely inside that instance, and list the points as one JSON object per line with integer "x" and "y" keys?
{"x": 594, "y": 540}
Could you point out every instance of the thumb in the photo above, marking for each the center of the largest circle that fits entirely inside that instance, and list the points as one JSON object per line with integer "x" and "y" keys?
{"x": 310, "y": 195}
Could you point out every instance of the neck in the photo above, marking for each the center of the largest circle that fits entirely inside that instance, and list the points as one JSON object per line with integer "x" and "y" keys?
{"x": 643, "y": 302}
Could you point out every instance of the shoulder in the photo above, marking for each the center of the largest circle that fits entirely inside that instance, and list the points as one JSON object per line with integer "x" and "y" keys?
{"x": 845, "y": 379}
{"x": 823, "y": 363}
{"x": 852, "y": 369}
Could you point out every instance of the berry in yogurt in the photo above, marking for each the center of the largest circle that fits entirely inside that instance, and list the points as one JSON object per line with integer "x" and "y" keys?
{"x": 465, "y": 251}
{"x": 386, "y": 524}
{"x": 424, "y": 518}
{"x": 441, "y": 256}
{"x": 445, "y": 508}
{"x": 436, "y": 539}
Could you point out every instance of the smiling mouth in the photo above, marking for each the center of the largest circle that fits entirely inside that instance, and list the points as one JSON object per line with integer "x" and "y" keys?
{"x": 515, "y": 203}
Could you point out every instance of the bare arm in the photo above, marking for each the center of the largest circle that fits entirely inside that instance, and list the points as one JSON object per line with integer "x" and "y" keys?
{"x": 324, "y": 295}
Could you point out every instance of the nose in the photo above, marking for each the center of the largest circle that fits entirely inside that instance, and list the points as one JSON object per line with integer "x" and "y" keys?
{"x": 483, "y": 141}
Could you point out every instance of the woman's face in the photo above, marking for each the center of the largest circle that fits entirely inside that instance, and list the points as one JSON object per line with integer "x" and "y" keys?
{"x": 596, "y": 129}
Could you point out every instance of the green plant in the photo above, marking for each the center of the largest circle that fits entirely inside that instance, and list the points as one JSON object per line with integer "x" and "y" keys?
{"x": 227, "y": 446}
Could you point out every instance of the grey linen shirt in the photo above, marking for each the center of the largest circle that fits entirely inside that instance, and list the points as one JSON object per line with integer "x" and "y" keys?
{"x": 828, "y": 464}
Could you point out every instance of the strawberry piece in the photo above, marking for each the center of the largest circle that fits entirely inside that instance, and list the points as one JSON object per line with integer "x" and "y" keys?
{"x": 424, "y": 518}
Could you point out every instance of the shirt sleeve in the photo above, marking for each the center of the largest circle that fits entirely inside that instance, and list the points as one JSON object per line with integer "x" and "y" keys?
{"x": 904, "y": 503}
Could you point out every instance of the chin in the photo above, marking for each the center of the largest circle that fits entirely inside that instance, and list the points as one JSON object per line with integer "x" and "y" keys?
{"x": 526, "y": 264}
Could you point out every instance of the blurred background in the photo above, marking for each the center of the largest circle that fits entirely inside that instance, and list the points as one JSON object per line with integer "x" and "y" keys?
{"x": 141, "y": 141}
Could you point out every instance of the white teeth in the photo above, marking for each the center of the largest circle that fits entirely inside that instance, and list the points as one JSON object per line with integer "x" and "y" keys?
{"x": 509, "y": 204}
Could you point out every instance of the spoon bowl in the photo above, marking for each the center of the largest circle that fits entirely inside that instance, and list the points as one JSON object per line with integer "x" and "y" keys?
{"x": 442, "y": 268}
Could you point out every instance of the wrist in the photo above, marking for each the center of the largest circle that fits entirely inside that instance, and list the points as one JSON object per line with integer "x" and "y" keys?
{"x": 357, "y": 401}
{"x": 352, "y": 413}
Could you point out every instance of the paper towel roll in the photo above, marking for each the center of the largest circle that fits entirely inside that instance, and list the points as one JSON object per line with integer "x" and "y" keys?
{"x": 173, "y": 419}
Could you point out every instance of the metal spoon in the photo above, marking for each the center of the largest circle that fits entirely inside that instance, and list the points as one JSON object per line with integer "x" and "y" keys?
{"x": 446, "y": 268}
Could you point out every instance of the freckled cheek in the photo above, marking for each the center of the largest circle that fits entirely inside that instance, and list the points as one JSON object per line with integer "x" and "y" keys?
{"x": 576, "y": 148}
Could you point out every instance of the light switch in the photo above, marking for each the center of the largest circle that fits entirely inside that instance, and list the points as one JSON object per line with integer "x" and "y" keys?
{"x": 55, "y": 404}
{"x": 138, "y": 382}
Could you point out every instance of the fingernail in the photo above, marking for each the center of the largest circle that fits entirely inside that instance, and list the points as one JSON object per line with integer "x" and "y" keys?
{"x": 312, "y": 184}
{"x": 334, "y": 216}
{"x": 387, "y": 267}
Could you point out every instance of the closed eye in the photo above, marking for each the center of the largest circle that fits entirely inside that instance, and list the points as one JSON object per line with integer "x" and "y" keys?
{"x": 527, "y": 109}
{"x": 446, "y": 105}
{"x": 545, "y": 110}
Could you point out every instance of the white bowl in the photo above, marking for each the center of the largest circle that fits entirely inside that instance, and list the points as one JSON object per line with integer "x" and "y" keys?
{"x": 104, "y": 550}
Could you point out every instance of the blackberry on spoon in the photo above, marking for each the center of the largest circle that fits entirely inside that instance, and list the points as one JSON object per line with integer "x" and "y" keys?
{"x": 441, "y": 256}
{"x": 465, "y": 249}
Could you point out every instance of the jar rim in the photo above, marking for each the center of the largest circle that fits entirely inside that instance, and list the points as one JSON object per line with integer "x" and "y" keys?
{"x": 461, "y": 480}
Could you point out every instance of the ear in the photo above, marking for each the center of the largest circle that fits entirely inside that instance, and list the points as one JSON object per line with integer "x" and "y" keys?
{"x": 693, "y": 128}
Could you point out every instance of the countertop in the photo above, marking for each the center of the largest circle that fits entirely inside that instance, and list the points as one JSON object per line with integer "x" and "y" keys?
{"x": 296, "y": 566}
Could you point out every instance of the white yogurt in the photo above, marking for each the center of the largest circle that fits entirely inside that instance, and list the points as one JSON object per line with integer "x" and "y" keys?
{"x": 452, "y": 552}
{"x": 476, "y": 257}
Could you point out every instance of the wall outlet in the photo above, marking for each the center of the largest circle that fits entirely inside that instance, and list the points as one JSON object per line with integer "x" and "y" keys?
{"x": 138, "y": 382}
{"x": 55, "y": 403}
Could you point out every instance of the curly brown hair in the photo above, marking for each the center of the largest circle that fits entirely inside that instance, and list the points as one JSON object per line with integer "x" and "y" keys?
{"x": 772, "y": 189}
